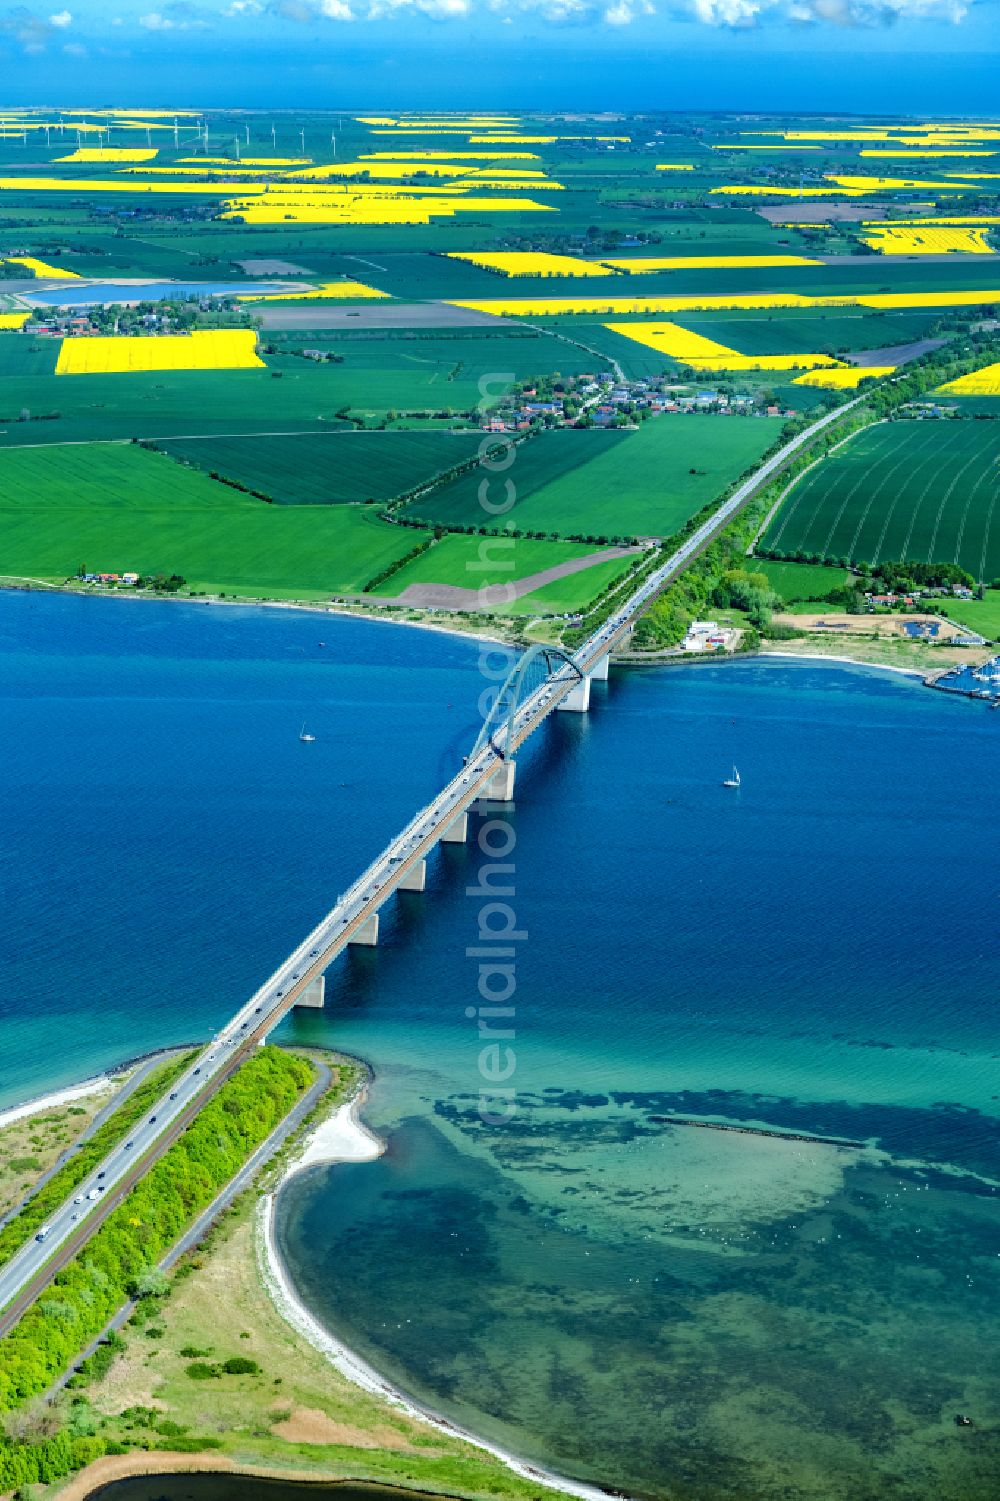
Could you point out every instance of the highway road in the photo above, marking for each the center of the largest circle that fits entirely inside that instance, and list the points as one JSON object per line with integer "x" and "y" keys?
{"x": 34, "y": 1265}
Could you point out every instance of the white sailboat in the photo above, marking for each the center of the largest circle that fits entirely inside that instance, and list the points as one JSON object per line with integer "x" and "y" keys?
{"x": 303, "y": 735}
{"x": 734, "y": 780}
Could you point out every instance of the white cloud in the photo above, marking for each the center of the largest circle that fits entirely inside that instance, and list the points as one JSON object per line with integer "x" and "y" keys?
{"x": 61, "y": 18}
{"x": 718, "y": 14}
{"x": 180, "y": 16}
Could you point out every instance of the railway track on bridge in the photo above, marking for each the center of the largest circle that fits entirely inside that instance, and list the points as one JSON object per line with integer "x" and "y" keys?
{"x": 487, "y": 777}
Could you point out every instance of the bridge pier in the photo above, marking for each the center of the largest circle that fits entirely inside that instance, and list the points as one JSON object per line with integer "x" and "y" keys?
{"x": 500, "y": 787}
{"x": 415, "y": 878}
{"x": 314, "y": 995}
{"x": 599, "y": 672}
{"x": 367, "y": 935}
{"x": 577, "y": 700}
{"x": 457, "y": 832}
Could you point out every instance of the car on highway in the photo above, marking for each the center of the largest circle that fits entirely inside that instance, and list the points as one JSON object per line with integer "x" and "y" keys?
{"x": 174, "y": 1095}
{"x": 43, "y": 1233}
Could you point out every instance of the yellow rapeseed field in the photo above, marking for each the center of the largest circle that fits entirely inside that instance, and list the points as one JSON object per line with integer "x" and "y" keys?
{"x": 551, "y": 307}
{"x": 13, "y": 320}
{"x": 450, "y": 156}
{"x": 674, "y": 167}
{"x": 894, "y": 184}
{"x": 119, "y": 184}
{"x": 328, "y": 289}
{"x": 94, "y": 154}
{"x": 705, "y": 354}
{"x": 928, "y": 299}
{"x": 372, "y": 205}
{"x": 844, "y": 379}
{"x": 530, "y": 263}
{"x": 985, "y": 382}
{"x": 917, "y": 155}
{"x": 206, "y": 349}
{"x": 638, "y": 265}
{"x": 247, "y": 161}
{"x": 933, "y": 240}
{"x": 42, "y": 268}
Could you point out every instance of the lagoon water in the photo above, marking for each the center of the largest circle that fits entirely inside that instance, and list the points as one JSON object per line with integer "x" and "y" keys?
{"x": 667, "y": 1310}
{"x": 107, "y": 293}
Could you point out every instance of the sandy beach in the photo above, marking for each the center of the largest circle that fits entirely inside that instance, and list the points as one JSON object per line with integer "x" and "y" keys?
{"x": 57, "y": 1098}
{"x": 342, "y": 1137}
{"x": 821, "y": 656}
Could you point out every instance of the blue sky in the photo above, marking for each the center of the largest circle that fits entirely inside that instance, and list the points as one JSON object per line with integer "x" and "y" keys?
{"x": 920, "y": 56}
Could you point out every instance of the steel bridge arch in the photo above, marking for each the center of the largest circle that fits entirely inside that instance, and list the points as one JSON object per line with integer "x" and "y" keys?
{"x": 498, "y": 726}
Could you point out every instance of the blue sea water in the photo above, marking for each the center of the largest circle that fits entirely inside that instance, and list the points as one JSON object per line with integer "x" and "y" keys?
{"x": 667, "y": 1310}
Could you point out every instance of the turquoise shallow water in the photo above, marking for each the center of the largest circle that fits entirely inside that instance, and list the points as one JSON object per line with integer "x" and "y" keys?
{"x": 667, "y": 1310}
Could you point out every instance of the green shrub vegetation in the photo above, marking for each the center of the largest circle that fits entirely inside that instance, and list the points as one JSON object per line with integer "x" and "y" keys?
{"x": 87, "y": 1293}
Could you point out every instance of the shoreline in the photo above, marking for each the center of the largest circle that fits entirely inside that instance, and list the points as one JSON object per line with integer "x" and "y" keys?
{"x": 112, "y": 1075}
{"x": 12, "y": 1113}
{"x": 11, "y": 585}
{"x": 819, "y": 656}
{"x": 88, "y": 1482}
{"x": 344, "y": 1137}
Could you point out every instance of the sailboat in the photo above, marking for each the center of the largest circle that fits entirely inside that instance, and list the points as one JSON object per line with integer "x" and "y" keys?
{"x": 303, "y": 735}
{"x": 734, "y": 780}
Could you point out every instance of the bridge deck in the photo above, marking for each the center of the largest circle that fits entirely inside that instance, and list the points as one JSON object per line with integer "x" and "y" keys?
{"x": 32, "y": 1268}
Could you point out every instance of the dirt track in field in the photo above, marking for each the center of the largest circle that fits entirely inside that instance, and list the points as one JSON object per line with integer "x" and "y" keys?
{"x": 455, "y": 597}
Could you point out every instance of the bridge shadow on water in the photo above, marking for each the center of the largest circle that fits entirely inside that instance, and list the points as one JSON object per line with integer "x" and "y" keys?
{"x": 441, "y": 915}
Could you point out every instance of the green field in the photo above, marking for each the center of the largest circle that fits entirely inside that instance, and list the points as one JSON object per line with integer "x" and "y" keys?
{"x": 326, "y": 468}
{"x": 22, "y": 354}
{"x": 478, "y": 562}
{"x": 982, "y": 615}
{"x": 643, "y": 483}
{"x": 373, "y": 375}
{"x": 914, "y": 491}
{"x": 119, "y": 507}
{"x": 797, "y": 581}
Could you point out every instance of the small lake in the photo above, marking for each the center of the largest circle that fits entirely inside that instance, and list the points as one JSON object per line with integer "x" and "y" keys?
{"x": 154, "y": 291}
